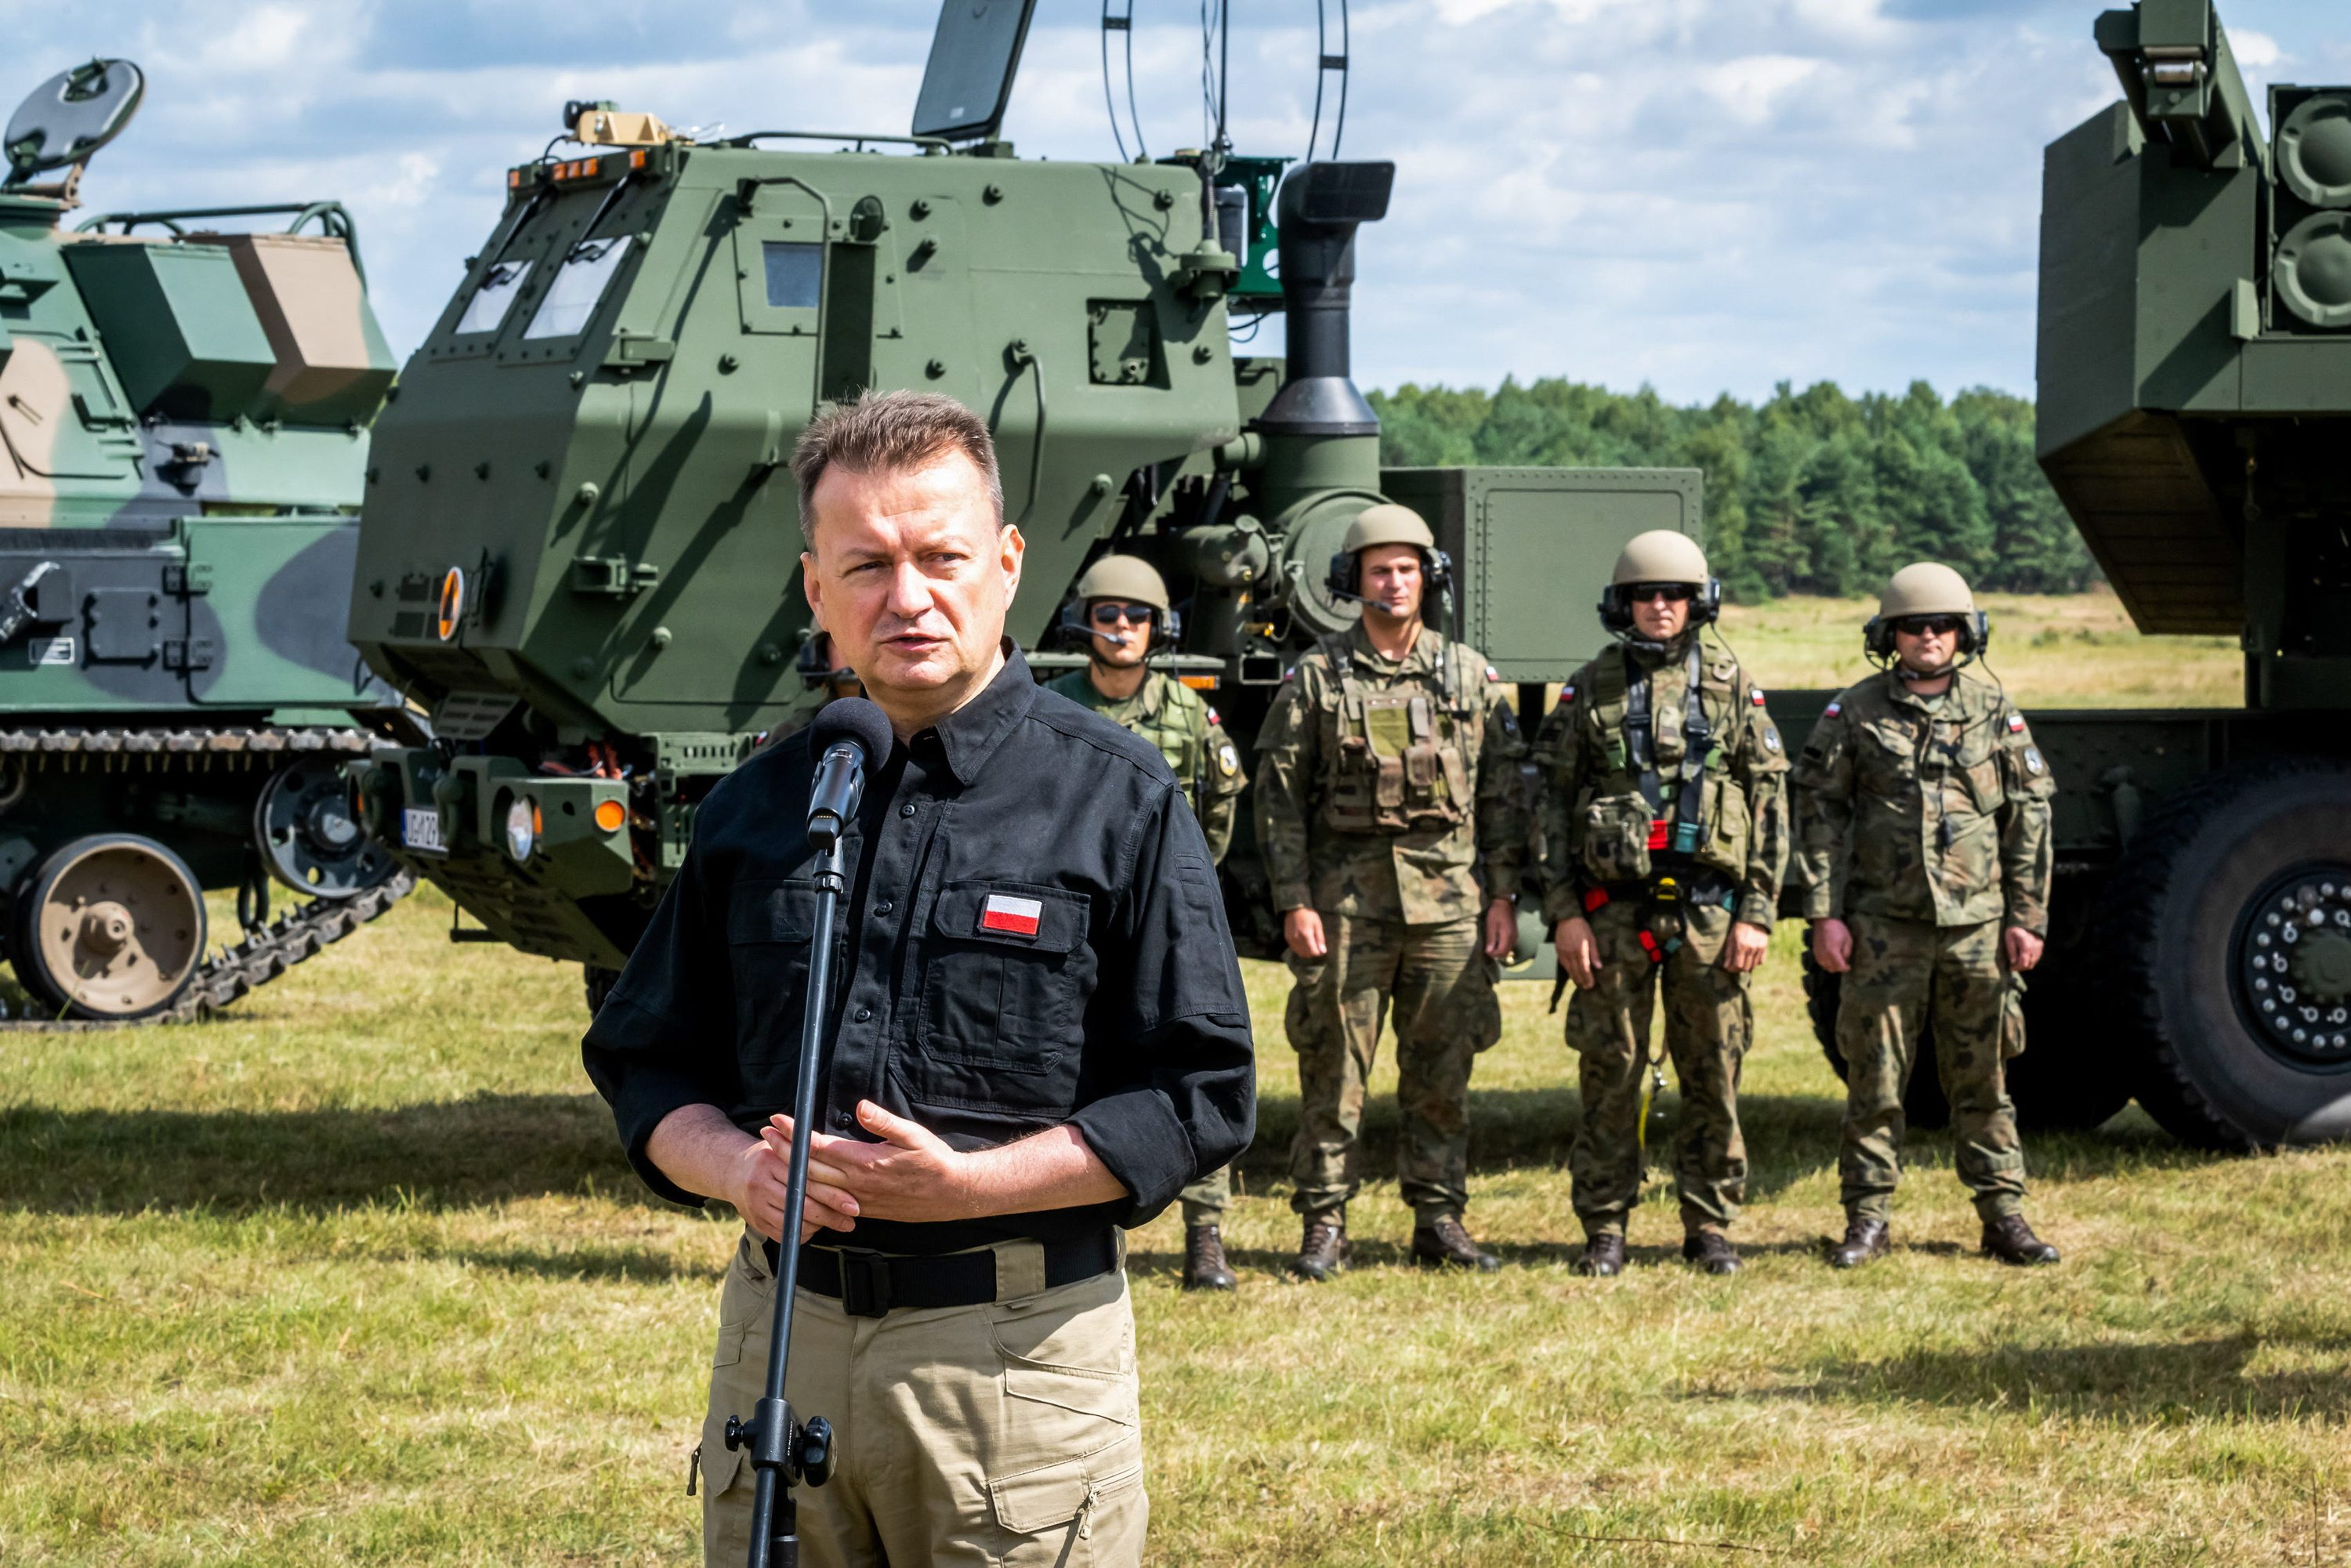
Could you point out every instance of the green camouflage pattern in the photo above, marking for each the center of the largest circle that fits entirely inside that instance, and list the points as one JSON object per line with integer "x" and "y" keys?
{"x": 1708, "y": 1024}
{"x": 1934, "y": 811}
{"x": 1178, "y": 720}
{"x": 1907, "y": 973}
{"x": 1438, "y": 986}
{"x": 1596, "y": 825}
{"x": 1423, "y": 876}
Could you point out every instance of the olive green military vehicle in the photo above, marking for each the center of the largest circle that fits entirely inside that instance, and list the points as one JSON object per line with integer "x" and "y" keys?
{"x": 579, "y": 543}
{"x": 2195, "y": 418}
{"x": 184, "y": 418}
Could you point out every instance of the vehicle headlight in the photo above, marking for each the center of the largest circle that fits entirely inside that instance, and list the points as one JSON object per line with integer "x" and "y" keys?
{"x": 522, "y": 828}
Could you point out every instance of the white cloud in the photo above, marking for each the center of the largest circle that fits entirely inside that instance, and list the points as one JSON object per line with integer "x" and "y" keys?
{"x": 1697, "y": 193}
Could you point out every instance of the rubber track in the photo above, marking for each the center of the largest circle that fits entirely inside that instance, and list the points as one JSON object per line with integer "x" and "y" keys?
{"x": 2126, "y": 953}
{"x": 294, "y": 938}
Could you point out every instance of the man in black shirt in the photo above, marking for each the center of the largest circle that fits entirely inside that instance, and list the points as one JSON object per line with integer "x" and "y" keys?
{"x": 1039, "y": 1036}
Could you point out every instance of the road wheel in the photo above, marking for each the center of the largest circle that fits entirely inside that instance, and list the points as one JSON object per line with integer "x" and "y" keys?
{"x": 1923, "y": 1104}
{"x": 108, "y": 928}
{"x": 2226, "y": 955}
{"x": 307, "y": 827}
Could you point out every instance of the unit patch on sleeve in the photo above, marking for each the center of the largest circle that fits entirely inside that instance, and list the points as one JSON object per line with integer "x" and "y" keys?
{"x": 2032, "y": 763}
{"x": 1015, "y": 916}
{"x": 1228, "y": 762}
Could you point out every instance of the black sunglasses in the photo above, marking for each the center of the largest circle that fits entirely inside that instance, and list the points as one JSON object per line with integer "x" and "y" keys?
{"x": 1671, "y": 592}
{"x": 1110, "y": 611}
{"x": 1929, "y": 625}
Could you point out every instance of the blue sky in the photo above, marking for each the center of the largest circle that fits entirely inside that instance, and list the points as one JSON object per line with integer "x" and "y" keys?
{"x": 1705, "y": 195}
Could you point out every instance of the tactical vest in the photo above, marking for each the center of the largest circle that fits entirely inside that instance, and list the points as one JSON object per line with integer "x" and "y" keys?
{"x": 1403, "y": 762}
{"x": 1176, "y": 727}
{"x": 1675, "y": 821}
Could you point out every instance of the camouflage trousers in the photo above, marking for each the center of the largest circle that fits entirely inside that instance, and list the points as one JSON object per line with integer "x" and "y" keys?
{"x": 1205, "y": 1200}
{"x": 1910, "y": 978}
{"x": 1440, "y": 987}
{"x": 1707, "y": 1023}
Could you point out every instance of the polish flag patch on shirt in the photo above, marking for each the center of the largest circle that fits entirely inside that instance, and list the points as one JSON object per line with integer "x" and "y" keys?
{"x": 1015, "y": 916}
{"x": 2016, "y": 724}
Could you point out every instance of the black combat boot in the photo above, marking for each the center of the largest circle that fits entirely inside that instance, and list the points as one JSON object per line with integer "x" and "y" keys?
{"x": 1444, "y": 1244}
{"x": 1864, "y": 1239}
{"x": 1322, "y": 1250}
{"x": 1603, "y": 1256}
{"x": 1711, "y": 1251}
{"x": 2010, "y": 1240}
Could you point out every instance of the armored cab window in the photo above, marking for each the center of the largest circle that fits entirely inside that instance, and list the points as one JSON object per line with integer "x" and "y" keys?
{"x": 795, "y": 274}
{"x": 489, "y": 306}
{"x": 571, "y": 299}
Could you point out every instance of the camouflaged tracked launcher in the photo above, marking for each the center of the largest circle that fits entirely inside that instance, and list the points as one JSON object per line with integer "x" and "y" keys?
{"x": 581, "y": 545}
{"x": 182, "y": 433}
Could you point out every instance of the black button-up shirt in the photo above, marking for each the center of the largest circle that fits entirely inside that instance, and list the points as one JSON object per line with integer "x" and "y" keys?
{"x": 1034, "y": 936}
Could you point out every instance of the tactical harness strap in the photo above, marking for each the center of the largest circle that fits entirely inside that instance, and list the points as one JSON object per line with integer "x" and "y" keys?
{"x": 1681, "y": 834}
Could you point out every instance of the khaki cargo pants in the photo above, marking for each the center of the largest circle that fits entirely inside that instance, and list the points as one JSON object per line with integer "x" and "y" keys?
{"x": 1007, "y": 1434}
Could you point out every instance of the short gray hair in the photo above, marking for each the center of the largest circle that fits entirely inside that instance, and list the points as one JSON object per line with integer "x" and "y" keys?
{"x": 891, "y": 432}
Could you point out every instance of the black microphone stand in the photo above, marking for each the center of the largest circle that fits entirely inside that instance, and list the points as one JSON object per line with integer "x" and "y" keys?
{"x": 783, "y": 1450}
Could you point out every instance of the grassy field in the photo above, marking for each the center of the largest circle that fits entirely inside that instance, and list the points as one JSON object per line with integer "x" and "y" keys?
{"x": 2076, "y": 650}
{"x": 359, "y": 1276}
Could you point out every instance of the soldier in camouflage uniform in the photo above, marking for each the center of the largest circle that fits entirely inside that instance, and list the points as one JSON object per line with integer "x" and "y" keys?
{"x": 1664, "y": 835}
{"x": 1392, "y": 824}
{"x": 1924, "y": 854}
{"x": 1123, "y": 613}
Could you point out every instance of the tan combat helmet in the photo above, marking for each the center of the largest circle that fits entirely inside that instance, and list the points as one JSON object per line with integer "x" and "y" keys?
{"x": 1131, "y": 579}
{"x": 1926, "y": 588}
{"x": 1387, "y": 524}
{"x": 1661, "y": 555}
{"x": 1126, "y": 576}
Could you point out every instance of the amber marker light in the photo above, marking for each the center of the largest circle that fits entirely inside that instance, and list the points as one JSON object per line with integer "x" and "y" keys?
{"x": 453, "y": 603}
{"x": 610, "y": 815}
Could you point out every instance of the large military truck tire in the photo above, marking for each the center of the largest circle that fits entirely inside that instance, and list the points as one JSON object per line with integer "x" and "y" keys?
{"x": 600, "y": 982}
{"x": 1923, "y": 1104}
{"x": 108, "y": 928}
{"x": 2227, "y": 955}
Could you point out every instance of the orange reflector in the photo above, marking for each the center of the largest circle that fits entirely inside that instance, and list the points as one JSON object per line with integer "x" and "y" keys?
{"x": 610, "y": 815}
{"x": 452, "y": 608}
{"x": 538, "y": 823}
{"x": 1200, "y": 682}
{"x": 637, "y": 158}
{"x": 514, "y": 179}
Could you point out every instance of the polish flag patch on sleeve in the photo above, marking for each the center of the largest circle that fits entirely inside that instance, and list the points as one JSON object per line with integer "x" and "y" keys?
{"x": 1755, "y": 695}
{"x": 1014, "y": 916}
{"x": 1835, "y": 710}
{"x": 2016, "y": 724}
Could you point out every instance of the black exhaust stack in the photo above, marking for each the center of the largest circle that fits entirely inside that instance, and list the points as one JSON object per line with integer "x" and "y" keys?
{"x": 1317, "y": 211}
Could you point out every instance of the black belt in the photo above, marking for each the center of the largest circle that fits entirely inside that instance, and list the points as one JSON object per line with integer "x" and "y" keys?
{"x": 871, "y": 1284}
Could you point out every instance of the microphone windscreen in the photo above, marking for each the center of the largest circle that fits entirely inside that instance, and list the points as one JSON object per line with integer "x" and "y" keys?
{"x": 851, "y": 718}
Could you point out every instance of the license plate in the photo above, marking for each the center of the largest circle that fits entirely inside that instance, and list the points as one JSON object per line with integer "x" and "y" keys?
{"x": 419, "y": 829}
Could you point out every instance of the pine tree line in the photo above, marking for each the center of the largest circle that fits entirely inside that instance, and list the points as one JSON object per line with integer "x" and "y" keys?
{"x": 1811, "y": 492}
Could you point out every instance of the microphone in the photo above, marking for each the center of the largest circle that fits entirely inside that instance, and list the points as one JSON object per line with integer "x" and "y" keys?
{"x": 849, "y": 734}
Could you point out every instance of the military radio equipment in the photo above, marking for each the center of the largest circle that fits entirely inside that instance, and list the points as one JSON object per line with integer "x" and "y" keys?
{"x": 579, "y": 544}
{"x": 2195, "y": 404}
{"x": 182, "y": 431}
